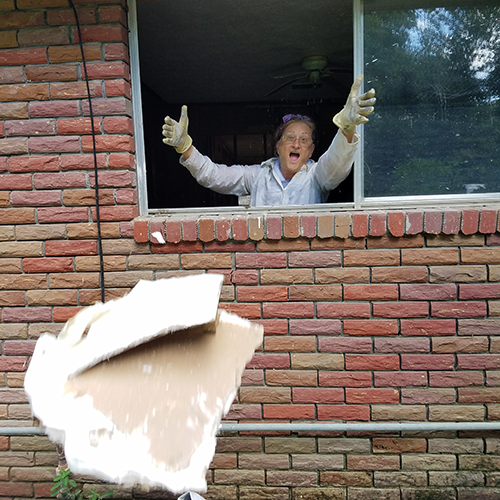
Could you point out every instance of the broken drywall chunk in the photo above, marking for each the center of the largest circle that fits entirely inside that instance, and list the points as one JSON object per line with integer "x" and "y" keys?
{"x": 150, "y": 413}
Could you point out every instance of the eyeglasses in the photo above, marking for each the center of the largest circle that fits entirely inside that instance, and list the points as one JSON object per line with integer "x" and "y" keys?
{"x": 305, "y": 141}
{"x": 287, "y": 118}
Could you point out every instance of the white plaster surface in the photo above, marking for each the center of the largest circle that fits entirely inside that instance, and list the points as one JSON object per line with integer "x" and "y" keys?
{"x": 139, "y": 398}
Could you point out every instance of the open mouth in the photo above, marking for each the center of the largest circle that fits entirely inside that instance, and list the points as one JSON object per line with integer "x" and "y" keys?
{"x": 294, "y": 157}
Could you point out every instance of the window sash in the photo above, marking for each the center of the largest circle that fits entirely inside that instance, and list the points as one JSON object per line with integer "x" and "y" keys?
{"x": 360, "y": 201}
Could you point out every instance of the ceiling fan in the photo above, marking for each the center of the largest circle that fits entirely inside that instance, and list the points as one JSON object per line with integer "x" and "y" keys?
{"x": 315, "y": 70}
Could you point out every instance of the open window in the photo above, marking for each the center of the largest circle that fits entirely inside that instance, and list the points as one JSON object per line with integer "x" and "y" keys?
{"x": 241, "y": 66}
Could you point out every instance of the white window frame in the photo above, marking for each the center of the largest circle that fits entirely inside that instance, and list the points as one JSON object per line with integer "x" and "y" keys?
{"x": 360, "y": 201}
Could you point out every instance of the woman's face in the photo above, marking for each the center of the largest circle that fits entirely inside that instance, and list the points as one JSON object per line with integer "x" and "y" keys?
{"x": 294, "y": 148}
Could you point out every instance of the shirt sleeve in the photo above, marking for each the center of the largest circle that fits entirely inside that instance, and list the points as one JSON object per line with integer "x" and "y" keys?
{"x": 236, "y": 179}
{"x": 336, "y": 163}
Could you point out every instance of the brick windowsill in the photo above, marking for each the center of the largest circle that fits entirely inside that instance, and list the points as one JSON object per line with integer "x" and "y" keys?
{"x": 270, "y": 226}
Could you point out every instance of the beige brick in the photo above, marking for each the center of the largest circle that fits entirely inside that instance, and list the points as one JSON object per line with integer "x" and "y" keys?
{"x": 396, "y": 412}
{"x": 289, "y": 445}
{"x": 51, "y": 297}
{"x": 285, "y": 276}
{"x": 456, "y": 413}
{"x": 111, "y": 263}
{"x": 31, "y": 443}
{"x": 206, "y": 261}
{"x": 343, "y": 275}
{"x": 74, "y": 280}
{"x": 21, "y": 249}
{"x": 456, "y": 478}
{"x": 11, "y": 266}
{"x": 13, "y": 331}
{"x": 314, "y": 361}
{"x": 454, "y": 274}
{"x": 344, "y": 445}
{"x": 428, "y": 461}
{"x": 315, "y": 493}
{"x": 41, "y": 232}
{"x": 403, "y": 478}
{"x": 126, "y": 278}
{"x": 441, "y": 445}
{"x": 454, "y": 240}
{"x": 153, "y": 262}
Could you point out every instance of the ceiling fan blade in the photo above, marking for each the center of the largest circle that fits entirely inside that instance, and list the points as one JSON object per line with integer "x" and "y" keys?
{"x": 297, "y": 74}
{"x": 279, "y": 87}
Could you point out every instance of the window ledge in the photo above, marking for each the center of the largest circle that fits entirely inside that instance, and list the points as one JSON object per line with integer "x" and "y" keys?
{"x": 163, "y": 229}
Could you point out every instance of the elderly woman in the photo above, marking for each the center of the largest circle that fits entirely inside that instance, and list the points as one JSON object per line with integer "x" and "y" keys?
{"x": 292, "y": 178}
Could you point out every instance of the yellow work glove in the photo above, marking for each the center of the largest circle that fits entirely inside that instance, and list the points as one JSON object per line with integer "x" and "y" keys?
{"x": 175, "y": 133}
{"x": 356, "y": 108}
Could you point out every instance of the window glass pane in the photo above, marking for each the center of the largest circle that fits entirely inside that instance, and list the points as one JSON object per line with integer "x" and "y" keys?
{"x": 239, "y": 66}
{"x": 436, "y": 70}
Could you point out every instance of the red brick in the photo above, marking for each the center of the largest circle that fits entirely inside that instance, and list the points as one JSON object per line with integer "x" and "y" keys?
{"x": 13, "y": 363}
{"x": 396, "y": 223}
{"x": 289, "y": 412}
{"x": 78, "y": 126}
{"x": 274, "y": 227}
{"x": 359, "y": 225}
{"x": 288, "y": 310}
{"x": 488, "y": 222}
{"x": 249, "y": 311}
{"x": 36, "y": 198}
{"x": 470, "y": 221}
{"x": 308, "y": 226}
{"x": 405, "y": 274}
{"x": 269, "y": 361}
{"x": 479, "y": 291}
{"x": 10, "y": 182}
{"x": 54, "y": 108}
{"x": 27, "y": 314}
{"x": 314, "y": 259}
{"x": 370, "y": 327}
{"x": 427, "y": 396}
{"x": 59, "y": 180}
{"x": 371, "y": 396}
{"x": 371, "y": 362}
{"x": 345, "y": 379}
{"x": 402, "y": 344}
{"x": 428, "y": 327}
{"x": 102, "y": 33}
{"x": 63, "y": 314}
{"x": 82, "y": 162}
{"x": 400, "y": 309}
{"x": 55, "y": 247}
{"x": 478, "y": 361}
{"x": 371, "y": 292}
{"x": 427, "y": 361}
{"x": 414, "y": 222}
{"x": 344, "y": 412}
{"x": 451, "y": 224}
{"x": 48, "y": 265}
{"x": 433, "y": 222}
{"x": 260, "y": 261}
{"x": 428, "y": 291}
{"x": 343, "y": 310}
{"x": 377, "y": 224}
{"x": 400, "y": 379}
{"x": 317, "y": 395}
{"x": 460, "y": 344}
{"x": 458, "y": 309}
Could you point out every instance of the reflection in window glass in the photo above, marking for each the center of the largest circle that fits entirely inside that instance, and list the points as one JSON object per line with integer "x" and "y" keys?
{"x": 436, "y": 129}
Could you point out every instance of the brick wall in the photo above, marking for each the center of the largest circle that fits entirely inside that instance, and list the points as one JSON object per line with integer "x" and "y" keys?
{"x": 383, "y": 316}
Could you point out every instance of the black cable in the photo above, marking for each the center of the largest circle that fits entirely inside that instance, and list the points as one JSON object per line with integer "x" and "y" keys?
{"x": 97, "y": 211}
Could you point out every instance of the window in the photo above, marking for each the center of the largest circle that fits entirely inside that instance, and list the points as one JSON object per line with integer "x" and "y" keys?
{"x": 240, "y": 66}
{"x": 437, "y": 75}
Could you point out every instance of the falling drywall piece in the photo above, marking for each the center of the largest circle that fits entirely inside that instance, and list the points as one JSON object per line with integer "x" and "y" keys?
{"x": 150, "y": 414}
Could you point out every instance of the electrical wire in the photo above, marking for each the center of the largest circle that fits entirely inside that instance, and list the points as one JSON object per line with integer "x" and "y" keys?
{"x": 94, "y": 147}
